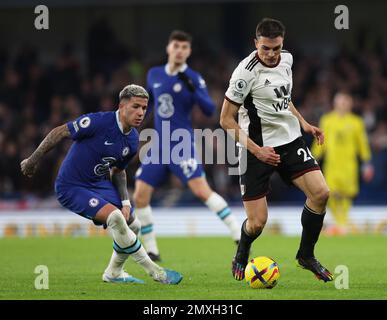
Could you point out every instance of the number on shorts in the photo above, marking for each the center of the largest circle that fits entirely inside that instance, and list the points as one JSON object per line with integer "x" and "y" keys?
{"x": 306, "y": 153}
{"x": 189, "y": 167}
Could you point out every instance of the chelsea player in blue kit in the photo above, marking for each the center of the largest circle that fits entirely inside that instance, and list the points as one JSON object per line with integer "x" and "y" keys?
{"x": 174, "y": 90}
{"x": 92, "y": 179}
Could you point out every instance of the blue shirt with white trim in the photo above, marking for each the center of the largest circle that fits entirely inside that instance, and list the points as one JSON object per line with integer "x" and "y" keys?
{"x": 172, "y": 101}
{"x": 99, "y": 144}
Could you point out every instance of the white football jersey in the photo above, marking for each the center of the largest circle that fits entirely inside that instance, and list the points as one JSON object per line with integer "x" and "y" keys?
{"x": 263, "y": 94}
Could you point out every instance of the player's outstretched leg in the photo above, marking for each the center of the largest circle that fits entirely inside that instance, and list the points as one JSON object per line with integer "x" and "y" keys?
{"x": 218, "y": 205}
{"x": 125, "y": 244}
{"x": 148, "y": 236}
{"x": 242, "y": 255}
{"x": 312, "y": 223}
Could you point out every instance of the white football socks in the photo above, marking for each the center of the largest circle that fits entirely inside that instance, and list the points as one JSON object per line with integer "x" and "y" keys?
{"x": 135, "y": 226}
{"x": 148, "y": 236}
{"x": 125, "y": 244}
{"x": 219, "y": 206}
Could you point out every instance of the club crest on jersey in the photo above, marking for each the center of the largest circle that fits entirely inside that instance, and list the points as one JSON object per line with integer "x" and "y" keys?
{"x": 240, "y": 85}
{"x": 84, "y": 122}
{"x": 93, "y": 202}
{"x": 125, "y": 151}
{"x": 177, "y": 87}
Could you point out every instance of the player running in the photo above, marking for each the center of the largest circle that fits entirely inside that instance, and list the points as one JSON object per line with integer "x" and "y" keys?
{"x": 92, "y": 179}
{"x": 345, "y": 141}
{"x": 269, "y": 128}
{"x": 174, "y": 89}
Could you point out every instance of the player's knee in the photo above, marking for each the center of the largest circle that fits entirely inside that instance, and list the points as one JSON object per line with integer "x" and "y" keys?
{"x": 321, "y": 196}
{"x": 201, "y": 194}
{"x": 117, "y": 221}
{"x": 141, "y": 199}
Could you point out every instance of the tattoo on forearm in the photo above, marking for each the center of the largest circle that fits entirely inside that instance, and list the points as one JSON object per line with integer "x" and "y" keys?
{"x": 49, "y": 142}
{"x": 119, "y": 181}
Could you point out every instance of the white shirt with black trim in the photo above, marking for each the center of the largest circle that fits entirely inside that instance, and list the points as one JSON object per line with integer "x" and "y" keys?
{"x": 263, "y": 94}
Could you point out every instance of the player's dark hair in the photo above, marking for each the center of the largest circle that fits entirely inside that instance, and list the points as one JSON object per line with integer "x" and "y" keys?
{"x": 270, "y": 28}
{"x": 180, "y": 36}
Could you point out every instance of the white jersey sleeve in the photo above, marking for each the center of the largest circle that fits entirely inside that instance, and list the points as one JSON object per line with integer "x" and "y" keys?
{"x": 240, "y": 85}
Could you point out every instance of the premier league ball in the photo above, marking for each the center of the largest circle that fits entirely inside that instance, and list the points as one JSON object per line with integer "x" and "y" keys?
{"x": 262, "y": 273}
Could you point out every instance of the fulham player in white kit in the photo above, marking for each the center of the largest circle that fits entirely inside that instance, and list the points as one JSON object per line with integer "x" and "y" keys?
{"x": 269, "y": 127}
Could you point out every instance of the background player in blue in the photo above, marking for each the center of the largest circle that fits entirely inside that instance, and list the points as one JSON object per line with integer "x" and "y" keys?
{"x": 174, "y": 89}
{"x": 92, "y": 179}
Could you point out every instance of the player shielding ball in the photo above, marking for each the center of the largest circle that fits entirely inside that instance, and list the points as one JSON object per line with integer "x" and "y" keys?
{"x": 268, "y": 127}
{"x": 345, "y": 142}
{"x": 104, "y": 143}
{"x": 174, "y": 90}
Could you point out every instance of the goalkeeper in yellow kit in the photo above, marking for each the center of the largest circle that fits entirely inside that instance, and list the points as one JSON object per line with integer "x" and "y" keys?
{"x": 345, "y": 143}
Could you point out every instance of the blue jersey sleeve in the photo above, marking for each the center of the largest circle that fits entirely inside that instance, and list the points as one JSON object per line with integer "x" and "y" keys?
{"x": 201, "y": 96}
{"x": 85, "y": 126}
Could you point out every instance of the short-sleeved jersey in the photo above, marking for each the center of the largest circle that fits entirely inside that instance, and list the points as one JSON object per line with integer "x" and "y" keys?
{"x": 172, "y": 101}
{"x": 99, "y": 144}
{"x": 263, "y": 94}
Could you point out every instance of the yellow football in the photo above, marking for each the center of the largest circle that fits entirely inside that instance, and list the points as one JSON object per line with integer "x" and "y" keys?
{"x": 262, "y": 273}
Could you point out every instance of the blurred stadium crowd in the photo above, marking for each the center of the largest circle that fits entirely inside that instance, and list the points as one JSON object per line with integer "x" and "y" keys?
{"x": 36, "y": 96}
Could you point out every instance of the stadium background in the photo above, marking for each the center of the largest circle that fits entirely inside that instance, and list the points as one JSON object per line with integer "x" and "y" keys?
{"x": 91, "y": 51}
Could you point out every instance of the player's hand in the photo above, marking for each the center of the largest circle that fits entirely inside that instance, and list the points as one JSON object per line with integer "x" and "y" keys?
{"x": 367, "y": 172}
{"x": 317, "y": 133}
{"x": 268, "y": 155}
{"x": 187, "y": 81}
{"x": 28, "y": 168}
{"x": 126, "y": 212}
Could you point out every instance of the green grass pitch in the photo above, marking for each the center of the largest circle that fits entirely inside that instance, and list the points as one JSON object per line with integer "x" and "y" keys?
{"x": 76, "y": 265}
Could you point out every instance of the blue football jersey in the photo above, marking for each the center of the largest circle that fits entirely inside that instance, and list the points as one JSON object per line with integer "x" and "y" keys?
{"x": 99, "y": 144}
{"x": 172, "y": 101}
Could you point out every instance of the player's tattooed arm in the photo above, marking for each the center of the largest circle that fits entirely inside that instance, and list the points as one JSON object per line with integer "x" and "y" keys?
{"x": 308, "y": 128}
{"x": 56, "y": 135}
{"x": 119, "y": 181}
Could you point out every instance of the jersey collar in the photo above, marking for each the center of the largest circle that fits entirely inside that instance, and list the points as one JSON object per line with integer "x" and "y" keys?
{"x": 119, "y": 124}
{"x": 181, "y": 69}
